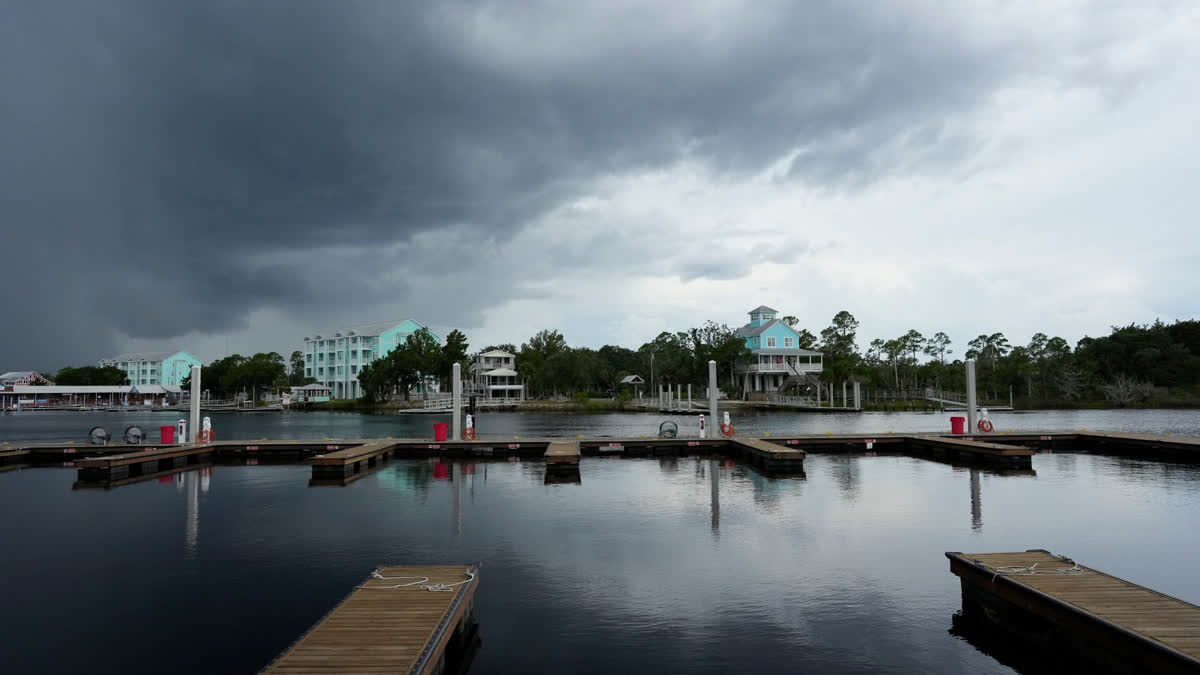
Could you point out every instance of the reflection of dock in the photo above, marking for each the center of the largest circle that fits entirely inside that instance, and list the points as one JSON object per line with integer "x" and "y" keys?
{"x": 400, "y": 620}
{"x": 1104, "y": 622}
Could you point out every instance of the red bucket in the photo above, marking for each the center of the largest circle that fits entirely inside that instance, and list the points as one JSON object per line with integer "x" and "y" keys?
{"x": 167, "y": 434}
{"x": 958, "y": 425}
{"x": 439, "y": 431}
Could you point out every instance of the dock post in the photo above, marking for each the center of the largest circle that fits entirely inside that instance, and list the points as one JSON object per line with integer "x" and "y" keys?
{"x": 845, "y": 401}
{"x": 970, "y": 396}
{"x": 456, "y": 402}
{"x": 678, "y": 394}
{"x": 661, "y": 400}
{"x": 819, "y": 385}
{"x": 689, "y": 396}
{"x": 857, "y": 395}
{"x": 195, "y": 407}
{"x": 712, "y": 394}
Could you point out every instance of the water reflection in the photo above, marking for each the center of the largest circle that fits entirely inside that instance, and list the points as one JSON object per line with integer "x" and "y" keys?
{"x": 976, "y": 503}
{"x": 714, "y": 497}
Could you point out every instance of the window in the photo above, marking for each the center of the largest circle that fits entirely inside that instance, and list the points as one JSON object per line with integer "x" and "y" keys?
{"x": 308, "y": 357}
{"x": 308, "y": 372}
{"x": 789, "y": 342}
{"x": 770, "y": 342}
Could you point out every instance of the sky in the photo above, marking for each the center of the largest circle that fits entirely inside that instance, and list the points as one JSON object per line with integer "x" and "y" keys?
{"x": 229, "y": 177}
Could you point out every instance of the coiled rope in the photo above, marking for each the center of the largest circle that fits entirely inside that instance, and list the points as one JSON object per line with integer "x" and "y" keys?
{"x": 1022, "y": 571}
{"x": 423, "y": 582}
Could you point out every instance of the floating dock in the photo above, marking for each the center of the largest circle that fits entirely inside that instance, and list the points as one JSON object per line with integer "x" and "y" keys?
{"x": 400, "y": 620}
{"x": 337, "y": 461}
{"x": 1107, "y": 623}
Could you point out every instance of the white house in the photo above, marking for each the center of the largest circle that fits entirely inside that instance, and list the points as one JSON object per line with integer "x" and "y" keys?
{"x": 494, "y": 375}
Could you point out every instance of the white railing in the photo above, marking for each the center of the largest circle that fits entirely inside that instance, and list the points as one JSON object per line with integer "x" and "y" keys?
{"x": 795, "y": 369}
{"x": 780, "y": 399}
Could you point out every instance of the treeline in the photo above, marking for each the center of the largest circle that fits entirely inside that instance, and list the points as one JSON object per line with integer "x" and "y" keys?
{"x": 1134, "y": 363}
{"x": 234, "y": 375}
{"x": 414, "y": 365}
{"x": 550, "y": 367}
{"x": 107, "y": 376}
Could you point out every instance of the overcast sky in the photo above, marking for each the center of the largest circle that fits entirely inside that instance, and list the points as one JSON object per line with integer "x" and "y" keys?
{"x": 220, "y": 174}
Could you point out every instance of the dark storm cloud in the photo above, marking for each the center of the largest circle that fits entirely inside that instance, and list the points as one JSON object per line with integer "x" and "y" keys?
{"x": 153, "y": 154}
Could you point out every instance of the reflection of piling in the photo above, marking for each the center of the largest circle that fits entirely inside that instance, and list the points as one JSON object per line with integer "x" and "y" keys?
{"x": 715, "y": 500}
{"x": 976, "y": 507}
{"x": 192, "y": 525}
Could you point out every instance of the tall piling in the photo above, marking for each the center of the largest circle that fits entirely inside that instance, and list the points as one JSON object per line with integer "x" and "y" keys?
{"x": 456, "y": 401}
{"x": 194, "y": 426}
{"x": 970, "y": 396}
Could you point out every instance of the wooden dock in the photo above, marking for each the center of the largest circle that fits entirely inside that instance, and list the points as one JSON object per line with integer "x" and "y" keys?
{"x": 1108, "y": 623}
{"x": 116, "y": 468}
{"x": 562, "y": 452}
{"x": 995, "y": 454}
{"x": 400, "y": 620}
{"x": 770, "y": 456}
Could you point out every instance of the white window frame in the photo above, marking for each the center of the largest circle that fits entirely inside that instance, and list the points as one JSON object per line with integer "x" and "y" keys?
{"x": 789, "y": 342}
{"x": 770, "y": 342}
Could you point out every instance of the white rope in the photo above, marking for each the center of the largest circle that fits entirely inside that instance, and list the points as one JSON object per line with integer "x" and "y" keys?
{"x": 422, "y": 581}
{"x": 1021, "y": 571}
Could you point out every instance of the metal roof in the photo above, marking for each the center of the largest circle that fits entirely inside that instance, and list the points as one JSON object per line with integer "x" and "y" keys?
{"x": 501, "y": 372}
{"x": 763, "y": 309}
{"x": 751, "y": 331}
{"x": 141, "y": 356}
{"x": 365, "y": 329}
{"x": 632, "y": 379}
{"x": 94, "y": 389}
{"x": 789, "y": 351}
{"x": 497, "y": 352}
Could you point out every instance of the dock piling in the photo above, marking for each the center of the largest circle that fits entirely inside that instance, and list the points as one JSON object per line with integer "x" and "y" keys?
{"x": 712, "y": 393}
{"x": 195, "y": 407}
{"x": 456, "y": 403}
{"x": 970, "y": 396}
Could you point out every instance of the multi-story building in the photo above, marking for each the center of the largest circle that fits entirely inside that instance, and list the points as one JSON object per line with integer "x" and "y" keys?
{"x": 494, "y": 375}
{"x": 777, "y": 360}
{"x": 335, "y": 360}
{"x": 166, "y": 368}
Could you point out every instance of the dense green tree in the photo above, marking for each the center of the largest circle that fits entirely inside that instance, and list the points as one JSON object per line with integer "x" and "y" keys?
{"x": 296, "y": 377}
{"x": 939, "y": 346}
{"x": 91, "y": 375}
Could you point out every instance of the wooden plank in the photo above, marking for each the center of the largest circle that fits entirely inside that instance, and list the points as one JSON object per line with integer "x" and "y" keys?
{"x": 562, "y": 453}
{"x": 1111, "y": 603}
{"x": 393, "y": 622}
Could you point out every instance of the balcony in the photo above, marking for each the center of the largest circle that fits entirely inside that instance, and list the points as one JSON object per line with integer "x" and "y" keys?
{"x": 784, "y": 367}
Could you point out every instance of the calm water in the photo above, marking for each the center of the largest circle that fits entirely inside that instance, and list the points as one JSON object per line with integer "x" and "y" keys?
{"x": 31, "y": 425}
{"x": 643, "y": 567}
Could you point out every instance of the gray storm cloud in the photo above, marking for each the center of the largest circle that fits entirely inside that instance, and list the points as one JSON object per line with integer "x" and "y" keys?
{"x": 164, "y": 154}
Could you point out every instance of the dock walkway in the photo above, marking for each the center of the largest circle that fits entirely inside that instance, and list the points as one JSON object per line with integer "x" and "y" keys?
{"x": 1113, "y": 621}
{"x": 400, "y": 621}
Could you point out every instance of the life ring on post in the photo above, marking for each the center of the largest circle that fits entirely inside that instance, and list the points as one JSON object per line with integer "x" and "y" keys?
{"x": 205, "y": 436}
{"x": 985, "y": 426}
{"x": 469, "y": 434}
{"x": 727, "y": 430}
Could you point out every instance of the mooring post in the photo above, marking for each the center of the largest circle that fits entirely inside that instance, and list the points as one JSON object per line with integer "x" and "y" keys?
{"x": 195, "y": 407}
{"x": 456, "y": 401}
{"x": 845, "y": 401}
{"x": 857, "y": 395}
{"x": 819, "y": 385}
{"x": 712, "y": 394}
{"x": 689, "y": 395}
{"x": 970, "y": 396}
{"x": 661, "y": 400}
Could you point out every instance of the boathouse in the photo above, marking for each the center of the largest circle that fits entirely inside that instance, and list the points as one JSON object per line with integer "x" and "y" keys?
{"x": 777, "y": 361}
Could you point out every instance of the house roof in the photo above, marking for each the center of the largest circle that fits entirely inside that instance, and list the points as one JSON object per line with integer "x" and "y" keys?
{"x": 141, "y": 356}
{"x": 632, "y": 379}
{"x": 365, "y": 329}
{"x": 497, "y": 352}
{"x": 761, "y": 309}
{"x": 312, "y": 387}
{"x": 501, "y": 372}
{"x": 95, "y": 389}
{"x": 789, "y": 351}
{"x": 751, "y": 331}
{"x": 19, "y": 375}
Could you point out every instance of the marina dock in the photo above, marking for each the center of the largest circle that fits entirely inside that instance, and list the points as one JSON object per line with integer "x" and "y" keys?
{"x": 1107, "y": 623}
{"x": 334, "y": 461}
{"x": 401, "y": 619}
